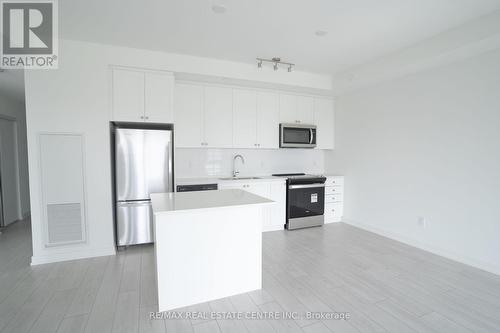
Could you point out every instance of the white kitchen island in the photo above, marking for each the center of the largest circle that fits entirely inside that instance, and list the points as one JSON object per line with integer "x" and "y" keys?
{"x": 208, "y": 245}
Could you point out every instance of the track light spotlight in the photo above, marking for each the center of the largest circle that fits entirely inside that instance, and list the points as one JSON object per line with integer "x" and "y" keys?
{"x": 276, "y": 61}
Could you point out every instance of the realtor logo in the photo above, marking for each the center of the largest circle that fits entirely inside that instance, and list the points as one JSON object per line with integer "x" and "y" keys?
{"x": 29, "y": 34}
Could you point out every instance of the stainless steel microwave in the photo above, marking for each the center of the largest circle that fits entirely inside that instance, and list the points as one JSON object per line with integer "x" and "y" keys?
{"x": 297, "y": 136}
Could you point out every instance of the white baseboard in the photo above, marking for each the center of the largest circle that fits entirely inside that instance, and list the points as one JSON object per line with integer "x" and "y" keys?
{"x": 273, "y": 228}
{"x": 486, "y": 266}
{"x": 73, "y": 255}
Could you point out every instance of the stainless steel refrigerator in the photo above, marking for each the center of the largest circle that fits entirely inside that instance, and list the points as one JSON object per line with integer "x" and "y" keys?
{"x": 143, "y": 165}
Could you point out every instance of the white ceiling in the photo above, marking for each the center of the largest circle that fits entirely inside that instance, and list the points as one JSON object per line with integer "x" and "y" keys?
{"x": 358, "y": 30}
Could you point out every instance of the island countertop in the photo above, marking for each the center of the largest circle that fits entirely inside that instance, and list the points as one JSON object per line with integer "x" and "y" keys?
{"x": 182, "y": 201}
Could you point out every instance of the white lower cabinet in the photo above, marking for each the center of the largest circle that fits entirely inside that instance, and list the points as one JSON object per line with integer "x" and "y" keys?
{"x": 274, "y": 216}
{"x": 278, "y": 213}
{"x": 334, "y": 205}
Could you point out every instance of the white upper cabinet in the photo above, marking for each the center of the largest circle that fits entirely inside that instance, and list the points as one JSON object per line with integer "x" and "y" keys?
{"x": 305, "y": 107}
{"x": 203, "y": 116}
{"x": 128, "y": 95}
{"x": 188, "y": 115}
{"x": 218, "y": 117}
{"x": 142, "y": 96}
{"x": 296, "y": 109}
{"x": 288, "y": 108}
{"x": 211, "y": 116}
{"x": 159, "y": 91}
{"x": 245, "y": 119}
{"x": 255, "y": 119}
{"x": 324, "y": 120}
{"x": 268, "y": 119}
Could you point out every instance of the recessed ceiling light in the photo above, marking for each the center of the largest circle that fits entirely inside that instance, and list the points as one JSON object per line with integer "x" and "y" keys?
{"x": 321, "y": 33}
{"x": 219, "y": 9}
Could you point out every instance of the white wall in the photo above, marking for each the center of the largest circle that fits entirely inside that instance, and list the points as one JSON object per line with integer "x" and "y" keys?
{"x": 426, "y": 145}
{"x": 219, "y": 162}
{"x": 15, "y": 110}
{"x": 76, "y": 99}
{"x": 464, "y": 41}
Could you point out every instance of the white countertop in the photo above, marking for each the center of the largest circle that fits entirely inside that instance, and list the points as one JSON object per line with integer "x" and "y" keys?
{"x": 220, "y": 180}
{"x": 182, "y": 201}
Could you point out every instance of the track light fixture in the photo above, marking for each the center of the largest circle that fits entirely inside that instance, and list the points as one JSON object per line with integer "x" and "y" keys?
{"x": 276, "y": 62}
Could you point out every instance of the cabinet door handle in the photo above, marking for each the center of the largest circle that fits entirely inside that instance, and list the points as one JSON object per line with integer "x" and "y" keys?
{"x": 142, "y": 117}
{"x": 147, "y": 117}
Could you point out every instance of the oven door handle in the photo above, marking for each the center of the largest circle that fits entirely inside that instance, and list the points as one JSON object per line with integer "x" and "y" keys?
{"x": 293, "y": 187}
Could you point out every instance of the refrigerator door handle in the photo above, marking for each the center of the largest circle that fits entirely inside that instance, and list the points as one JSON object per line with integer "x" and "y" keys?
{"x": 170, "y": 181}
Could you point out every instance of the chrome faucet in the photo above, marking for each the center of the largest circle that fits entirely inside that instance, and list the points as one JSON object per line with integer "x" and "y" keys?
{"x": 235, "y": 172}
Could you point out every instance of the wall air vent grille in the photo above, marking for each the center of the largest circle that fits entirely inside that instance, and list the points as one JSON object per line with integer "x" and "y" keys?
{"x": 64, "y": 223}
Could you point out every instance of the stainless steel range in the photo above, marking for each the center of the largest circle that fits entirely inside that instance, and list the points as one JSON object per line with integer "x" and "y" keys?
{"x": 305, "y": 200}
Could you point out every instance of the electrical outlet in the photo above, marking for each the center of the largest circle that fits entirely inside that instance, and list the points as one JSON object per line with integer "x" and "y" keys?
{"x": 421, "y": 222}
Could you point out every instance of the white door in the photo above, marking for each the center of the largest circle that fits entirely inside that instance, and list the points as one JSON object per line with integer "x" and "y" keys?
{"x": 128, "y": 95}
{"x": 324, "y": 121}
{"x": 159, "y": 89}
{"x": 268, "y": 119}
{"x": 188, "y": 115}
{"x": 9, "y": 172}
{"x": 305, "y": 106}
{"x": 218, "y": 117}
{"x": 288, "y": 109}
{"x": 244, "y": 119}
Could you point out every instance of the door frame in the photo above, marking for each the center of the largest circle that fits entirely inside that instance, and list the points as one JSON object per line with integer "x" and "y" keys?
{"x": 16, "y": 163}
{"x": 1, "y": 190}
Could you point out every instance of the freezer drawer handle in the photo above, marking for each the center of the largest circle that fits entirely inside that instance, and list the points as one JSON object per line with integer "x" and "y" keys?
{"x": 133, "y": 203}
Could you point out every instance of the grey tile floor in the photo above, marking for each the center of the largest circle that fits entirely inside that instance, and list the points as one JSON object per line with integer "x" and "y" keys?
{"x": 384, "y": 285}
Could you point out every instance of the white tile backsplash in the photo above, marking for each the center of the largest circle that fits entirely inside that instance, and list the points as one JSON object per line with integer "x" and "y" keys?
{"x": 219, "y": 162}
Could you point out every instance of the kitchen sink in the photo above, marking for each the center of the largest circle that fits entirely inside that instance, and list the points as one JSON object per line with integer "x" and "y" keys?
{"x": 238, "y": 178}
